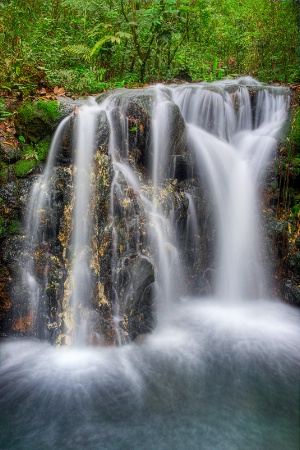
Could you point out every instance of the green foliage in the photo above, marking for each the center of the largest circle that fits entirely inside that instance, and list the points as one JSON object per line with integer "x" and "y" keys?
{"x": 294, "y": 136}
{"x": 288, "y": 170}
{"x": 82, "y": 44}
{"x": 38, "y": 151}
{"x": 4, "y": 114}
{"x": 24, "y": 167}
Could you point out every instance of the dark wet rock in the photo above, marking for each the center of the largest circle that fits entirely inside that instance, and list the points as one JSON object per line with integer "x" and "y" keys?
{"x": 202, "y": 286}
{"x": 102, "y": 133}
{"x": 294, "y": 263}
{"x": 137, "y": 304}
{"x": 65, "y": 155}
{"x": 177, "y": 131}
{"x": 9, "y": 153}
{"x": 11, "y": 249}
{"x": 183, "y": 75}
{"x": 181, "y": 167}
{"x": 11, "y": 265}
{"x": 9, "y": 194}
{"x": 290, "y": 292}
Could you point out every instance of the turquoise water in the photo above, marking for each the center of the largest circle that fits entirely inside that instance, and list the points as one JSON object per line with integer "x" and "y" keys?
{"x": 210, "y": 377}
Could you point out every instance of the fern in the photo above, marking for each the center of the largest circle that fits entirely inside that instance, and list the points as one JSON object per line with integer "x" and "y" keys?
{"x": 100, "y": 43}
{"x": 79, "y": 50}
{"x": 115, "y": 39}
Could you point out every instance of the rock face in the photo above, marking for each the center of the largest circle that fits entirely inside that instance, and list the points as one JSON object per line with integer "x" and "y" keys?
{"x": 130, "y": 247}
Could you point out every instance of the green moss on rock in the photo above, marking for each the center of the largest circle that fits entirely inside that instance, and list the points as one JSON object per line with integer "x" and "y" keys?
{"x": 38, "y": 151}
{"x": 24, "y": 167}
{"x": 37, "y": 119}
{"x": 14, "y": 227}
{"x": 2, "y": 223}
{"x": 47, "y": 111}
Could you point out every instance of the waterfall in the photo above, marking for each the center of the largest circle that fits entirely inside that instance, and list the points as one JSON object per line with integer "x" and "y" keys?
{"x": 145, "y": 229}
{"x": 176, "y": 170}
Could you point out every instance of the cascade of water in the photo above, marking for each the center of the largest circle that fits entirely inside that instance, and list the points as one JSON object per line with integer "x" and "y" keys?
{"x": 227, "y": 132}
{"x": 40, "y": 208}
{"x": 232, "y": 170}
{"x": 169, "y": 272}
{"x": 81, "y": 239}
{"x": 123, "y": 175}
{"x": 210, "y": 108}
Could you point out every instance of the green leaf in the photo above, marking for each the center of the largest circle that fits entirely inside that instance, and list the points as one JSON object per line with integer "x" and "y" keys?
{"x": 21, "y": 138}
{"x": 215, "y": 65}
{"x": 123, "y": 34}
{"x": 133, "y": 129}
{"x": 99, "y": 44}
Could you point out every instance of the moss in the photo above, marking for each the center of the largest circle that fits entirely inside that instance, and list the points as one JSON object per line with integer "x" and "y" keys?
{"x": 14, "y": 227}
{"x": 48, "y": 112}
{"x": 37, "y": 119}
{"x": 42, "y": 149}
{"x": 23, "y": 167}
{"x": 3, "y": 172}
{"x": 2, "y": 223}
{"x": 38, "y": 151}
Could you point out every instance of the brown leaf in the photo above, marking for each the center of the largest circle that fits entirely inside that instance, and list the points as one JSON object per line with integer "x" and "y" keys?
{"x": 42, "y": 91}
{"x": 8, "y": 143}
{"x": 59, "y": 91}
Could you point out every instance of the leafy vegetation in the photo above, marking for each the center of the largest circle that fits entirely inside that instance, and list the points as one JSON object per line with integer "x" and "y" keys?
{"x": 92, "y": 45}
{"x": 38, "y": 151}
{"x": 287, "y": 194}
{"x": 4, "y": 114}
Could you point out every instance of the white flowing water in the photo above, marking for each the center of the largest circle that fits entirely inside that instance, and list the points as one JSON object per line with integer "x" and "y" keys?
{"x": 40, "y": 201}
{"x": 231, "y": 151}
{"x": 214, "y": 374}
{"x": 169, "y": 272}
{"x": 211, "y": 376}
{"x": 82, "y": 233}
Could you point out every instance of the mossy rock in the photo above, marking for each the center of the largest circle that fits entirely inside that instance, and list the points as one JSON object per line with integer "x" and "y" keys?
{"x": 24, "y": 167}
{"x": 38, "y": 119}
{"x": 38, "y": 151}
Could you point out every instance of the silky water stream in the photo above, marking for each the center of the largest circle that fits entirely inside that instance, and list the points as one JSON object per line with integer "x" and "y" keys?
{"x": 219, "y": 371}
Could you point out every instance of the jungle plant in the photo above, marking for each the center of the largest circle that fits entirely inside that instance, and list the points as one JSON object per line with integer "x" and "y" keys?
{"x": 4, "y": 114}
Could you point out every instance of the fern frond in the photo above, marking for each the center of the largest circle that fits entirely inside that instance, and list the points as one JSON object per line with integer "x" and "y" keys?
{"x": 79, "y": 50}
{"x": 100, "y": 43}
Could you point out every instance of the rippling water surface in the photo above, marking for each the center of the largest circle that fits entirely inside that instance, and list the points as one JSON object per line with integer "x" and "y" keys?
{"x": 212, "y": 376}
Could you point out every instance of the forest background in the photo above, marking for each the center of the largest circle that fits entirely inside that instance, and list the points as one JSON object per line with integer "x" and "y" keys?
{"x": 87, "y": 46}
